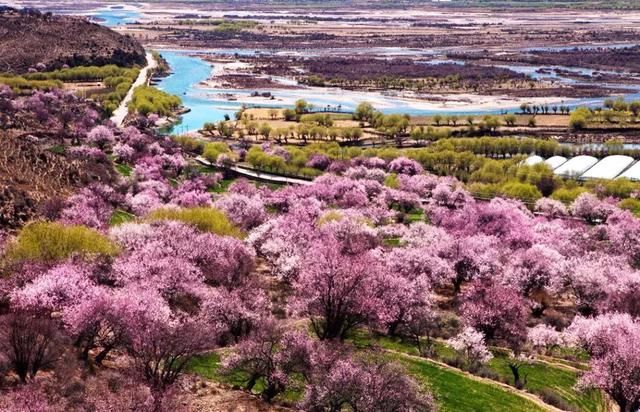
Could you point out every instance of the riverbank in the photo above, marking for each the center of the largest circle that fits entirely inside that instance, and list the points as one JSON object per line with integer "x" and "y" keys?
{"x": 210, "y": 103}
{"x": 203, "y": 85}
{"x": 224, "y": 70}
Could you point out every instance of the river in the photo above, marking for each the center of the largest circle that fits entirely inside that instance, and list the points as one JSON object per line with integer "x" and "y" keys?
{"x": 188, "y": 72}
{"x": 209, "y": 104}
{"x": 115, "y": 15}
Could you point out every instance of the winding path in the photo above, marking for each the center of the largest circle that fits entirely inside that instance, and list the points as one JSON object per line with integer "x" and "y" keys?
{"x": 121, "y": 112}
{"x": 258, "y": 175}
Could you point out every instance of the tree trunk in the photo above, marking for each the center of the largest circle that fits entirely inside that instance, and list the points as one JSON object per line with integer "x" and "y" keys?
{"x": 103, "y": 354}
{"x": 515, "y": 370}
{"x": 393, "y": 327}
{"x": 418, "y": 344}
{"x": 270, "y": 392}
{"x": 21, "y": 371}
{"x": 457, "y": 283}
{"x": 158, "y": 399}
{"x": 86, "y": 349}
{"x": 252, "y": 382}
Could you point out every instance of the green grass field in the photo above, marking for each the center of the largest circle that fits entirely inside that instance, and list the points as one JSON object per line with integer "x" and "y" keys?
{"x": 415, "y": 216}
{"x": 208, "y": 366}
{"x": 456, "y": 392}
{"x": 453, "y": 390}
{"x": 222, "y": 187}
{"x": 542, "y": 378}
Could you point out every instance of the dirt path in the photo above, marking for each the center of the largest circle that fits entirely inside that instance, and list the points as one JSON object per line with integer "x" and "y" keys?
{"x": 557, "y": 364}
{"x": 253, "y": 174}
{"x": 207, "y": 396}
{"x": 121, "y": 112}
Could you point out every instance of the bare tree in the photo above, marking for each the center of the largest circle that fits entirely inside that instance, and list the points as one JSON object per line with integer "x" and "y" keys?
{"x": 30, "y": 343}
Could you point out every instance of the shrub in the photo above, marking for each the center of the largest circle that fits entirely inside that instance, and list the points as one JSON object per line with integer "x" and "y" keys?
{"x": 204, "y": 218}
{"x": 456, "y": 361}
{"x": 111, "y": 74}
{"x": 552, "y": 398}
{"x": 633, "y": 205}
{"x": 580, "y": 118}
{"x": 487, "y": 373}
{"x": 20, "y": 84}
{"x": 289, "y": 115}
{"x": 568, "y": 195}
{"x": 190, "y": 144}
{"x": 510, "y": 119}
{"x": 148, "y": 99}
{"x": 322, "y": 119}
{"x": 49, "y": 242}
{"x": 213, "y": 150}
{"x": 484, "y": 190}
{"x": 392, "y": 181}
{"x": 620, "y": 188}
{"x": 522, "y": 191}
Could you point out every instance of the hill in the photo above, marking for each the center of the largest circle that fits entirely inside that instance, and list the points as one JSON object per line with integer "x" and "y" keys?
{"x": 30, "y": 39}
{"x": 41, "y": 161}
{"x": 35, "y": 177}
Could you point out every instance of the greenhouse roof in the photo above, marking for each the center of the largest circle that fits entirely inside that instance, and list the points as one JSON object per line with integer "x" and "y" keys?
{"x": 555, "y": 161}
{"x": 609, "y": 167}
{"x": 576, "y": 166}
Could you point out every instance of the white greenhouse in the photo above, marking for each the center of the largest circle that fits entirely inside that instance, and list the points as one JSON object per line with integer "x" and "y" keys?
{"x": 608, "y": 168}
{"x": 556, "y": 161}
{"x": 632, "y": 173}
{"x": 533, "y": 160}
{"x": 576, "y": 166}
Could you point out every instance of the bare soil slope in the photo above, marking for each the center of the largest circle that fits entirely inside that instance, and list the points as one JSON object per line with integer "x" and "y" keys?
{"x": 29, "y": 37}
{"x": 33, "y": 178}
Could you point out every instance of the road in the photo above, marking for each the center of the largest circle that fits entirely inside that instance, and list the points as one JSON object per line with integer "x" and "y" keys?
{"x": 121, "y": 112}
{"x": 268, "y": 177}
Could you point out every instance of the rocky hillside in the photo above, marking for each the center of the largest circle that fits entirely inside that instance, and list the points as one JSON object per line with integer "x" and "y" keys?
{"x": 42, "y": 158}
{"x": 34, "y": 178}
{"x": 29, "y": 39}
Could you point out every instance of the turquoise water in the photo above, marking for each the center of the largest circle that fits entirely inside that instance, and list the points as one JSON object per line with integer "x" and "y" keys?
{"x": 207, "y": 106}
{"x": 115, "y": 15}
{"x": 187, "y": 73}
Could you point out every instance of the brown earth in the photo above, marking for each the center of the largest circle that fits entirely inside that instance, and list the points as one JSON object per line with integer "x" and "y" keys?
{"x": 206, "y": 396}
{"x": 249, "y": 81}
{"x": 33, "y": 177}
{"x": 30, "y": 38}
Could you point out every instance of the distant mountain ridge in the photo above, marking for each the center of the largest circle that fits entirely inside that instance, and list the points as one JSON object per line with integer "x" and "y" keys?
{"x": 29, "y": 38}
